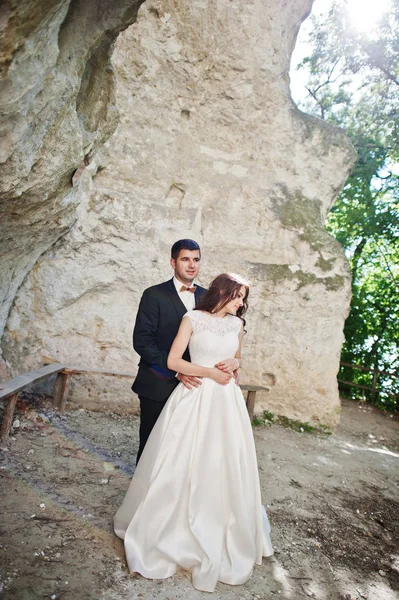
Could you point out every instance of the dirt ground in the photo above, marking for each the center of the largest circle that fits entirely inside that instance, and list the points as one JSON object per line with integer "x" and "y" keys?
{"x": 332, "y": 502}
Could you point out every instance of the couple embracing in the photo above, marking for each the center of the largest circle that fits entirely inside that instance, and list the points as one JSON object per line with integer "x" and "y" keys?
{"x": 194, "y": 501}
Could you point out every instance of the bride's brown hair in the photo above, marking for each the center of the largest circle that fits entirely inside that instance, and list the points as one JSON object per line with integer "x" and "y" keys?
{"x": 222, "y": 290}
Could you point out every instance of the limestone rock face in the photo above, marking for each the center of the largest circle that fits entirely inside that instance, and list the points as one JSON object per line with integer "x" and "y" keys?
{"x": 57, "y": 106}
{"x": 209, "y": 146}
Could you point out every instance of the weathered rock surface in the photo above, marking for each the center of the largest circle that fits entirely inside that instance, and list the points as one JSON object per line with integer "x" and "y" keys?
{"x": 209, "y": 146}
{"x": 57, "y": 106}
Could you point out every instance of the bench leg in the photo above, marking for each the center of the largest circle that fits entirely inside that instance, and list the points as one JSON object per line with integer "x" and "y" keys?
{"x": 8, "y": 417}
{"x": 251, "y": 403}
{"x": 61, "y": 388}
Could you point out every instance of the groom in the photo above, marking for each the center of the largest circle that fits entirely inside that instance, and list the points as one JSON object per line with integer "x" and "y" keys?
{"x": 158, "y": 319}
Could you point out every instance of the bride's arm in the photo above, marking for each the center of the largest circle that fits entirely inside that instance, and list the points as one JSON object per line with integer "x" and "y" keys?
{"x": 238, "y": 353}
{"x": 177, "y": 363}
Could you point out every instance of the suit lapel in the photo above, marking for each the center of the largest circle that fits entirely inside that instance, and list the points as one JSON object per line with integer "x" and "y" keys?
{"x": 197, "y": 294}
{"x": 175, "y": 298}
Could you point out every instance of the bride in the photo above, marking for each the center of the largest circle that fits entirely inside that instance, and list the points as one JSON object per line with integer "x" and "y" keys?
{"x": 194, "y": 500}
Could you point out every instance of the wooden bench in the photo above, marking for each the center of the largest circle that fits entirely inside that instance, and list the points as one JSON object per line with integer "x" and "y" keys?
{"x": 251, "y": 396}
{"x": 9, "y": 390}
{"x": 251, "y": 389}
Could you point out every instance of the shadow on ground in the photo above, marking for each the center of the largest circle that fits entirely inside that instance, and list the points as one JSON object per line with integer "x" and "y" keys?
{"x": 332, "y": 502}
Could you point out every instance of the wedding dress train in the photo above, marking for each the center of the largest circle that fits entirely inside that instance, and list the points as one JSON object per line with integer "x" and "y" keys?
{"x": 194, "y": 500}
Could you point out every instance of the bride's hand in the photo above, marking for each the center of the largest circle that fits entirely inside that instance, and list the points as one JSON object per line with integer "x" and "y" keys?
{"x": 219, "y": 376}
{"x": 229, "y": 365}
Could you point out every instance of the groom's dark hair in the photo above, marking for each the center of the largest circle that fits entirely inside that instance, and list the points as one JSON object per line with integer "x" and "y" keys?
{"x": 184, "y": 245}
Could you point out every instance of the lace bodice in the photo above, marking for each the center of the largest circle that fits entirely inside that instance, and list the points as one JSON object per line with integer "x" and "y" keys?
{"x": 213, "y": 338}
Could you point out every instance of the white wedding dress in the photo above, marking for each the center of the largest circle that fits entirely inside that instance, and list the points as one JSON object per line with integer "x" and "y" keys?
{"x": 194, "y": 500}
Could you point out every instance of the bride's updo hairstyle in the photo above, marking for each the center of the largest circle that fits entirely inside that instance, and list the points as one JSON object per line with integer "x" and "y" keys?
{"x": 222, "y": 290}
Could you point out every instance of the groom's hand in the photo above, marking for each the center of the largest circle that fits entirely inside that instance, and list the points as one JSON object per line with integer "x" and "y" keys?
{"x": 189, "y": 381}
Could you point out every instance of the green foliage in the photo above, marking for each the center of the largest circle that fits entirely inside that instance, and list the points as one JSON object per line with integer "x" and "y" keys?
{"x": 268, "y": 418}
{"x": 297, "y": 425}
{"x": 353, "y": 82}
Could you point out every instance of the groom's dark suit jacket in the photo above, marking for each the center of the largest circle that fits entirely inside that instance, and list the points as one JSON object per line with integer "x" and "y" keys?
{"x": 157, "y": 322}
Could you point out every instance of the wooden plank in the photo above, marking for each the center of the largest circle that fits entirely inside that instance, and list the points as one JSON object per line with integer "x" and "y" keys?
{"x": 366, "y": 387}
{"x": 251, "y": 403}
{"x": 253, "y": 388}
{"x": 83, "y": 371}
{"x": 10, "y": 387}
{"x": 344, "y": 364}
{"x": 61, "y": 388}
{"x": 8, "y": 417}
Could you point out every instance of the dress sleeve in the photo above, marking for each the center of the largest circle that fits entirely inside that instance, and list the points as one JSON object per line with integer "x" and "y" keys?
{"x": 193, "y": 316}
{"x": 238, "y": 324}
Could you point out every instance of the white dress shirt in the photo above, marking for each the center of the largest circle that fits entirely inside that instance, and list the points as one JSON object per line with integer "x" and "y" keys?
{"x": 188, "y": 298}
